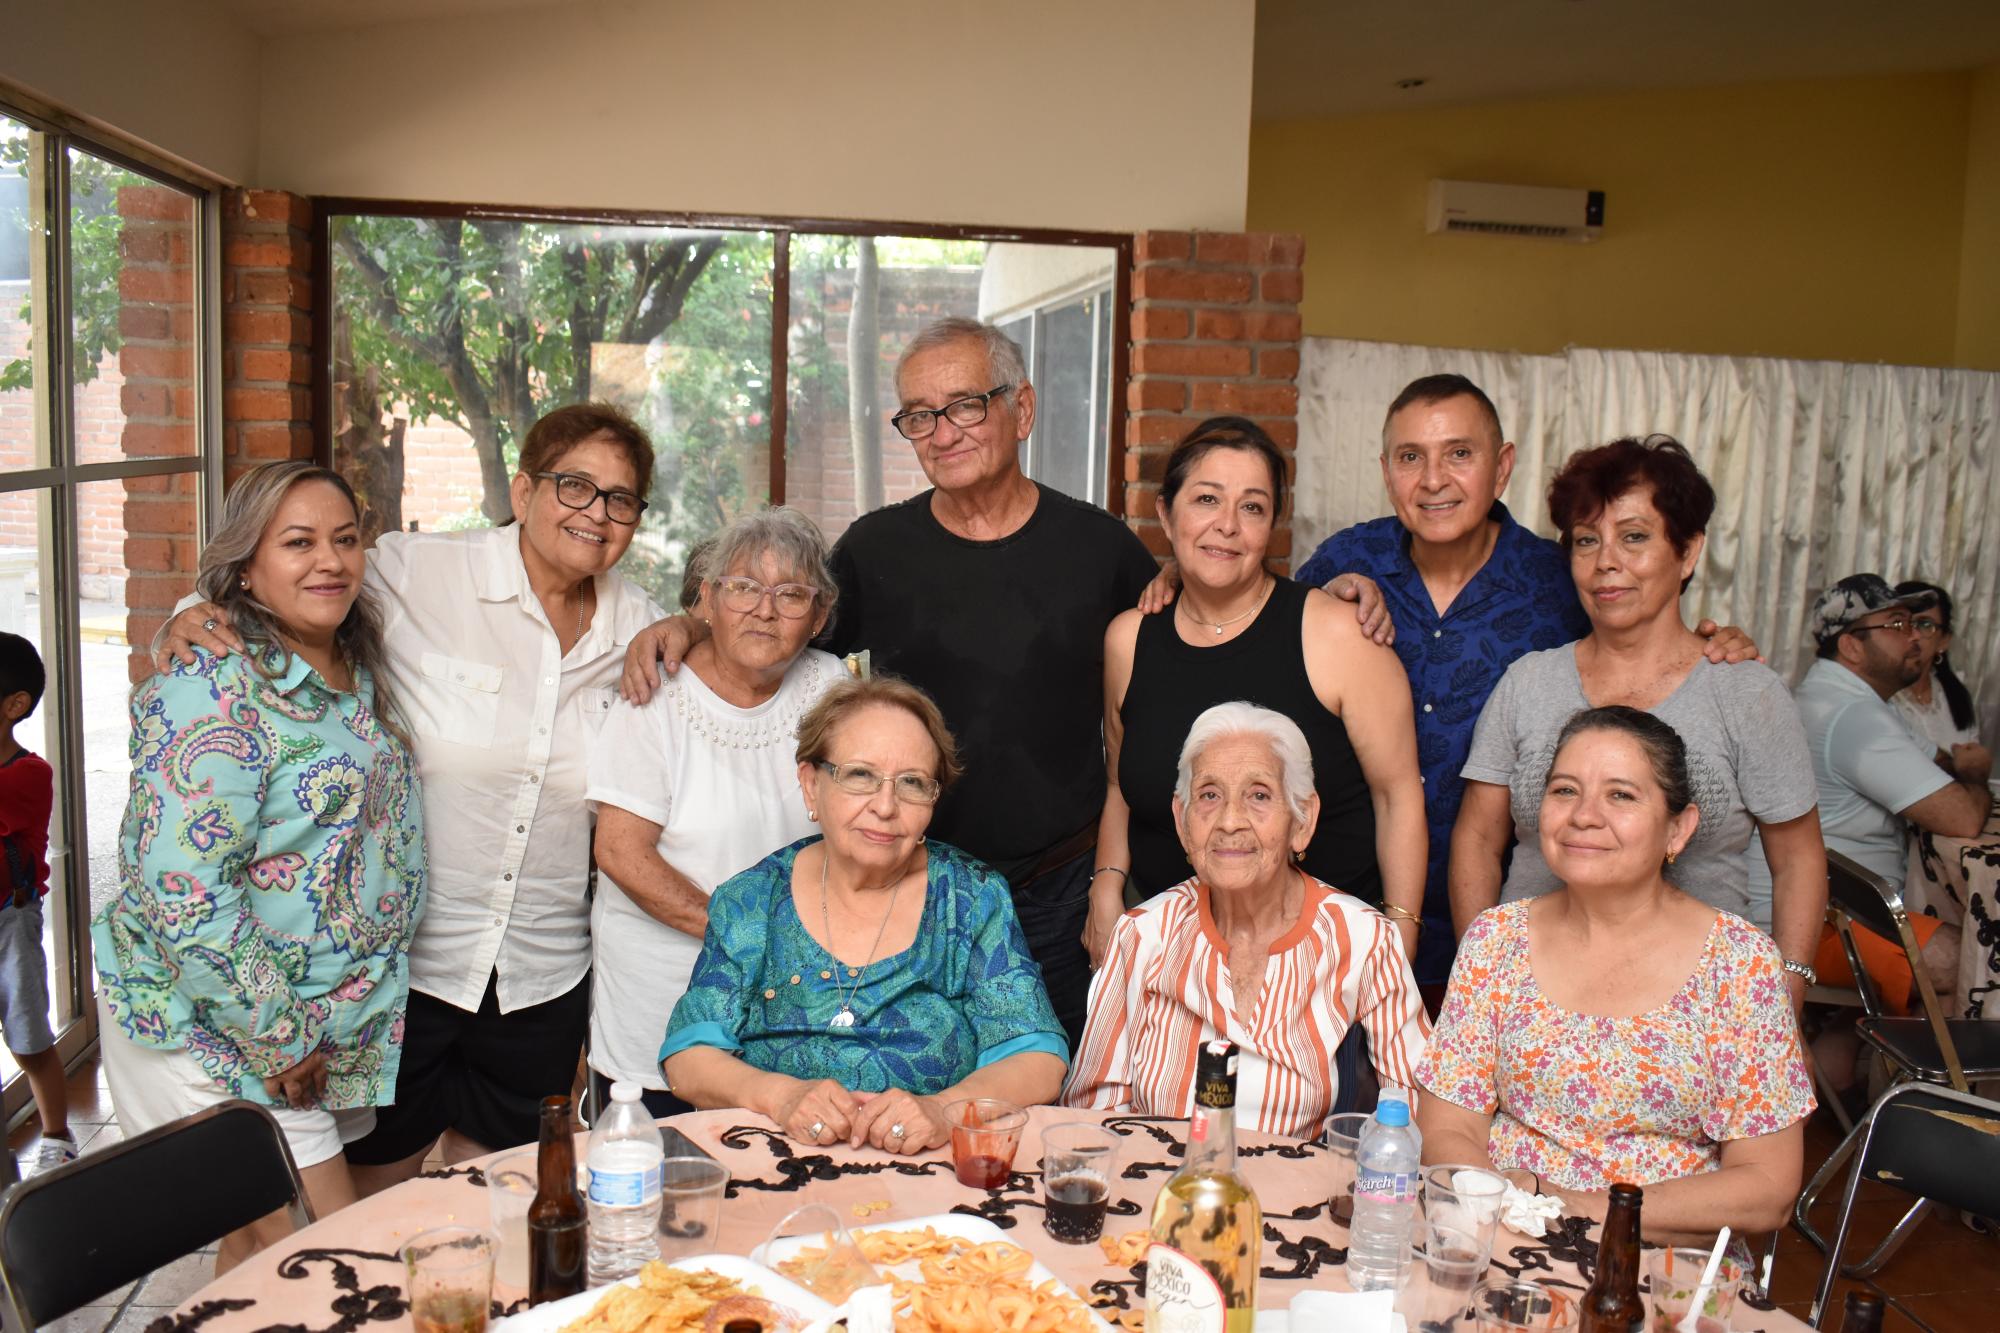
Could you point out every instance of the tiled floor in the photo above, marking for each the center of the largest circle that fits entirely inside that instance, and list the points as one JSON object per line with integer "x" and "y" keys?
{"x": 1947, "y": 1274}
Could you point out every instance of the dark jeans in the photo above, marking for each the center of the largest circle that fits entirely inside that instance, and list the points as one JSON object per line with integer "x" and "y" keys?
{"x": 1053, "y": 910}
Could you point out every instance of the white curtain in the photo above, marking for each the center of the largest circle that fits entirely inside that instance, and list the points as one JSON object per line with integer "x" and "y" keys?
{"x": 1821, "y": 469}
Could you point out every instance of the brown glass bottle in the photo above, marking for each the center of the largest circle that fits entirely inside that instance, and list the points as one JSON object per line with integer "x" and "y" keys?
{"x": 1863, "y": 1313}
{"x": 1612, "y": 1303}
{"x": 558, "y": 1227}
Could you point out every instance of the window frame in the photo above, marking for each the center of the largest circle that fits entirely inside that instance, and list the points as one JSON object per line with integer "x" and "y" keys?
{"x": 62, "y": 478}
{"x": 782, "y": 229}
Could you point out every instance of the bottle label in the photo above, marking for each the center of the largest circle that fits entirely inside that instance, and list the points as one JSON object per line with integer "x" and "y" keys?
{"x": 619, "y": 1189}
{"x": 1181, "y": 1295}
{"x": 1395, "y": 1187}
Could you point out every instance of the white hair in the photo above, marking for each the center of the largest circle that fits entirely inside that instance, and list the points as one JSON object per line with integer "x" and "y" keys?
{"x": 1287, "y": 742}
{"x": 1004, "y": 363}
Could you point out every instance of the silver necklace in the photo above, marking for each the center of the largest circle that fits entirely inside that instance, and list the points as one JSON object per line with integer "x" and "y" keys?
{"x": 1219, "y": 625}
{"x": 845, "y": 1017}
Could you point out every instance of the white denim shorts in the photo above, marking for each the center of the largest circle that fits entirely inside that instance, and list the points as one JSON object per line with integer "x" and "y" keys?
{"x": 152, "y": 1087}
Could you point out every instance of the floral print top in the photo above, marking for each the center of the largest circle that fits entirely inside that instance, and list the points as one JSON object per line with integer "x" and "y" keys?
{"x": 272, "y": 871}
{"x": 1588, "y": 1101}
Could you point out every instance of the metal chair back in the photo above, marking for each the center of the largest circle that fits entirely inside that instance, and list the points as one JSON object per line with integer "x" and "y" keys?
{"x": 70, "y": 1235}
{"x": 1858, "y": 896}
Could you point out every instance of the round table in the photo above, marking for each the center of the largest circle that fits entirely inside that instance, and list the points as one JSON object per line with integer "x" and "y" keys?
{"x": 342, "y": 1273}
{"x": 1958, "y": 881}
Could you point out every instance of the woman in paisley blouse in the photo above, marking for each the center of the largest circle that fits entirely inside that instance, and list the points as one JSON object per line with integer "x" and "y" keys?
{"x": 272, "y": 854}
{"x": 851, "y": 985}
{"x": 1618, "y": 1029}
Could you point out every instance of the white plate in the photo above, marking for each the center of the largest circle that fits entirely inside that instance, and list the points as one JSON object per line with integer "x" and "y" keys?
{"x": 756, "y": 1279}
{"x": 963, "y": 1225}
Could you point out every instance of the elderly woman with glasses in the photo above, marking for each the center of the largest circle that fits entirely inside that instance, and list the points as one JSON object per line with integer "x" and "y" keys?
{"x": 698, "y": 782}
{"x": 853, "y": 984}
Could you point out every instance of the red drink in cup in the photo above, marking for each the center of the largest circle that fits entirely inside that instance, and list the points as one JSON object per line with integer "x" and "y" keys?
{"x": 985, "y": 1132}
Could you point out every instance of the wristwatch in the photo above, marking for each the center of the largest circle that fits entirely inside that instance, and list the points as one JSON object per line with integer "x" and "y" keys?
{"x": 1802, "y": 970}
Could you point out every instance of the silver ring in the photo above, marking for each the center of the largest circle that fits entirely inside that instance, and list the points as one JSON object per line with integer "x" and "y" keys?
{"x": 896, "y": 1130}
{"x": 209, "y": 624}
{"x": 818, "y": 1128}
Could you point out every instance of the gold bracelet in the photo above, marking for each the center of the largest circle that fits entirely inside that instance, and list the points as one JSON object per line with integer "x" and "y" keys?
{"x": 1392, "y": 911}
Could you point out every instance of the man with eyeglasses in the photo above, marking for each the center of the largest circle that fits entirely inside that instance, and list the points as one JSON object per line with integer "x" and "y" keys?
{"x": 1873, "y": 774}
{"x": 990, "y": 592}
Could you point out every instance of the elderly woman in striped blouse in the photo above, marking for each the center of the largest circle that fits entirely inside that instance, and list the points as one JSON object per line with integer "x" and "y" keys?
{"x": 1251, "y": 948}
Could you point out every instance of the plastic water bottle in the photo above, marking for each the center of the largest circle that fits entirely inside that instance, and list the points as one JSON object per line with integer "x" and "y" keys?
{"x": 624, "y": 1162}
{"x": 1385, "y": 1201}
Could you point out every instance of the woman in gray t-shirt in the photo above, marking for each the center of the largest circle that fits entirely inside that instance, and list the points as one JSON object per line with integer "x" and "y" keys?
{"x": 1633, "y": 516}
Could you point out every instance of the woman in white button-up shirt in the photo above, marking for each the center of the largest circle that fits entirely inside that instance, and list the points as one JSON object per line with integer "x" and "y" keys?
{"x": 504, "y": 648}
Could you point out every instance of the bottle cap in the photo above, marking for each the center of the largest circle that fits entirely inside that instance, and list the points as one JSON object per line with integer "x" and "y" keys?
{"x": 1391, "y": 1112}
{"x": 622, "y": 1091}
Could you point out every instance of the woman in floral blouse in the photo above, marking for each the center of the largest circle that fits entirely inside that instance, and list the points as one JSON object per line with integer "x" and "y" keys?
{"x": 272, "y": 854}
{"x": 1618, "y": 1029}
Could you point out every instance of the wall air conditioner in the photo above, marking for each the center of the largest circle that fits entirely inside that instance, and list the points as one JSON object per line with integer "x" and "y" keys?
{"x": 1515, "y": 210}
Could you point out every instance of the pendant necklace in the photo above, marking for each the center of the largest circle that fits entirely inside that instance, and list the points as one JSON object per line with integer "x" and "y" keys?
{"x": 845, "y": 1017}
{"x": 1219, "y": 625}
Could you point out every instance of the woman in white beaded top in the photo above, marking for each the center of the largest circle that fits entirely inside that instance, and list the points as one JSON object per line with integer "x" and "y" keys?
{"x": 700, "y": 781}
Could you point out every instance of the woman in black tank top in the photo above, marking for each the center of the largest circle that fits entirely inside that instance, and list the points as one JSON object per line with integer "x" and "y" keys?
{"x": 1238, "y": 632}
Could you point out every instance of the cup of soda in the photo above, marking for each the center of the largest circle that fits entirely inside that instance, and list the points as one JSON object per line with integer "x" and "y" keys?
{"x": 1343, "y": 1144}
{"x": 1077, "y": 1162}
{"x": 985, "y": 1133}
{"x": 450, "y": 1273}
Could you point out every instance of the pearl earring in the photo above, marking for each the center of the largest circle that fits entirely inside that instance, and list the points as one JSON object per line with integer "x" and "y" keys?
{"x": 812, "y": 814}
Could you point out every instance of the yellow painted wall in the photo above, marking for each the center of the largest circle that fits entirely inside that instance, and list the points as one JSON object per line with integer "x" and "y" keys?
{"x": 1979, "y": 263}
{"x": 1813, "y": 219}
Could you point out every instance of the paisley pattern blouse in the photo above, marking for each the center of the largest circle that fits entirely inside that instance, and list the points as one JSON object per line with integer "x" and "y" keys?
{"x": 1589, "y": 1101}
{"x": 272, "y": 870}
{"x": 963, "y": 995}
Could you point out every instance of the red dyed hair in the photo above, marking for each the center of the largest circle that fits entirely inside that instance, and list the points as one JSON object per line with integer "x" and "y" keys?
{"x": 1593, "y": 478}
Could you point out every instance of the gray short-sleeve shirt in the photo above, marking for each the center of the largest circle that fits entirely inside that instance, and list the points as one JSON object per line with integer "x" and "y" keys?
{"x": 1747, "y": 758}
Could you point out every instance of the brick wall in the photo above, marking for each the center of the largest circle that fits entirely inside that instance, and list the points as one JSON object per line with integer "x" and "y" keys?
{"x": 1215, "y": 329}
{"x": 266, "y": 322}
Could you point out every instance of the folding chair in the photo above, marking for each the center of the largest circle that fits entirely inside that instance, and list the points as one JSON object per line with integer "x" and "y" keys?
{"x": 1940, "y": 1144}
{"x": 1934, "y": 1049}
{"x": 70, "y": 1235}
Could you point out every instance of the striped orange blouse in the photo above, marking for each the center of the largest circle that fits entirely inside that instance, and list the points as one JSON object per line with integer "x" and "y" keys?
{"x": 1164, "y": 989}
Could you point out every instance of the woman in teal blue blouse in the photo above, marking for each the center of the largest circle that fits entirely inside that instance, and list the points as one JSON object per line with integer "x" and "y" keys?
{"x": 271, "y": 861}
{"x": 853, "y": 984}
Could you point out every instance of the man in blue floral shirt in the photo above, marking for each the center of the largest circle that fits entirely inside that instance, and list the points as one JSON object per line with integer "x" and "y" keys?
{"x": 1462, "y": 591}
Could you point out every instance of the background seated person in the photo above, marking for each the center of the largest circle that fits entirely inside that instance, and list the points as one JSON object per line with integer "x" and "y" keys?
{"x": 1617, "y": 1029}
{"x": 852, "y": 985}
{"x": 1251, "y": 948}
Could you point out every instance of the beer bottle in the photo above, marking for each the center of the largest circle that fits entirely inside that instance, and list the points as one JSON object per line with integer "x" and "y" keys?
{"x": 1863, "y": 1313}
{"x": 1612, "y": 1304}
{"x": 558, "y": 1229}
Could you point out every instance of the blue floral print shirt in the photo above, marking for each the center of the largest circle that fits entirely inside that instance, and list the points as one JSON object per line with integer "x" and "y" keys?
{"x": 963, "y": 995}
{"x": 1521, "y": 601}
{"x": 272, "y": 870}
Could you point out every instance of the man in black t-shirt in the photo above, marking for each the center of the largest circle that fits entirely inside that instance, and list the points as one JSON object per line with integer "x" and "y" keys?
{"x": 992, "y": 593}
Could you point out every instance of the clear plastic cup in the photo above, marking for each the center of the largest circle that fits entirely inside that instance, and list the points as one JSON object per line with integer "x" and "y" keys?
{"x": 1467, "y": 1199}
{"x": 1343, "y": 1142}
{"x": 1523, "y": 1307}
{"x": 826, "y": 1262}
{"x": 691, "y": 1190}
{"x": 450, "y": 1279}
{"x": 1671, "y": 1279}
{"x": 510, "y": 1188}
{"x": 1443, "y": 1274}
{"x": 985, "y": 1135}
{"x": 1078, "y": 1159}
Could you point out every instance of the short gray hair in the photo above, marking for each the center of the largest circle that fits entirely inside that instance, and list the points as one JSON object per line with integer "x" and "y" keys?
{"x": 1247, "y": 719}
{"x": 783, "y": 532}
{"x": 1004, "y": 362}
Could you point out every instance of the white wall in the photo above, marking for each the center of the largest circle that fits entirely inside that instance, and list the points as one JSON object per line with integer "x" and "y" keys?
{"x": 1105, "y": 114}
{"x": 179, "y": 78}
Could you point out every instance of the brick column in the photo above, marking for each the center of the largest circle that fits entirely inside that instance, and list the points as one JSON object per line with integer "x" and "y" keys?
{"x": 158, "y": 403}
{"x": 266, "y": 328}
{"x": 1215, "y": 330}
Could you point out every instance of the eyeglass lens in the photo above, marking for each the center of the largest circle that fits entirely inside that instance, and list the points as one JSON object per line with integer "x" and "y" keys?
{"x": 582, "y": 493}
{"x": 741, "y": 595}
{"x": 861, "y": 780}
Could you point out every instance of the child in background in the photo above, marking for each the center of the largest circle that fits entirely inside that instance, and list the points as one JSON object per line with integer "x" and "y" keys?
{"x": 27, "y": 795}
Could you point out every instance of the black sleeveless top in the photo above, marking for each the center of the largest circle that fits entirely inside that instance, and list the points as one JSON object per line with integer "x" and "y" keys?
{"x": 1173, "y": 683}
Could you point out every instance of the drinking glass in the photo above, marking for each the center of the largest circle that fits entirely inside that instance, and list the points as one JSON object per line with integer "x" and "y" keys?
{"x": 1076, "y": 1180}
{"x": 510, "y": 1188}
{"x": 1671, "y": 1278}
{"x": 450, "y": 1273}
{"x": 691, "y": 1190}
{"x": 1343, "y": 1142}
{"x": 827, "y": 1263}
{"x": 985, "y": 1134}
{"x": 1438, "y": 1286}
{"x": 1465, "y": 1199}
{"x": 1523, "y": 1307}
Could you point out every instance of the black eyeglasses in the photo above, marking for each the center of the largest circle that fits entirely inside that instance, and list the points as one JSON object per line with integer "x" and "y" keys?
{"x": 921, "y": 421}
{"x": 581, "y": 493}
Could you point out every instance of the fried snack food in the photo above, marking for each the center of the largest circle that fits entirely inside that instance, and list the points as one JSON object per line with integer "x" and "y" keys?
{"x": 965, "y": 1287}
{"x": 1126, "y": 1250}
{"x": 665, "y": 1300}
{"x": 771, "y": 1318}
